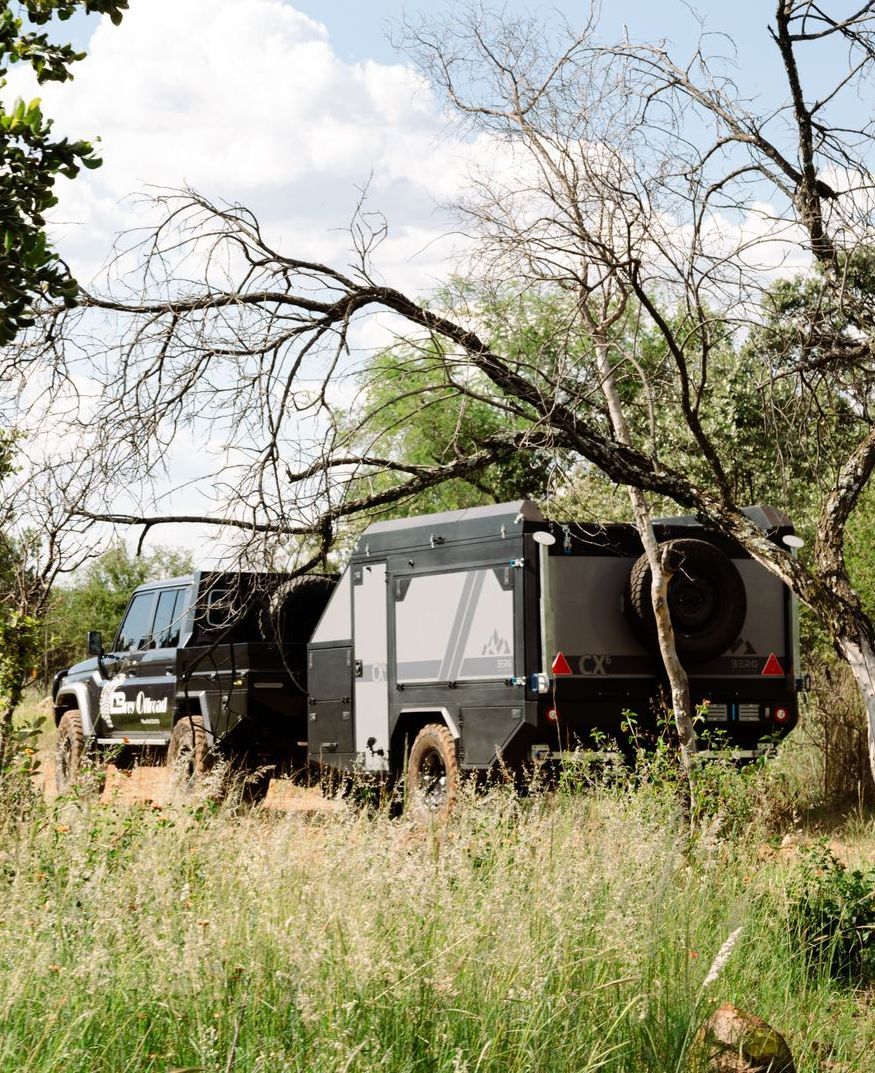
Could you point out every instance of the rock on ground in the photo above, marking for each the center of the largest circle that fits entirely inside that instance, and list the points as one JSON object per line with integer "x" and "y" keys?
{"x": 734, "y": 1041}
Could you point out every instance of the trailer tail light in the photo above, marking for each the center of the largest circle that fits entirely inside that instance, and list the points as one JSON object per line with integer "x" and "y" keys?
{"x": 781, "y": 715}
{"x": 552, "y": 715}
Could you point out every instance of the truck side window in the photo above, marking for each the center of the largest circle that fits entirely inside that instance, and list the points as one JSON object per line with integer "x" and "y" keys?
{"x": 135, "y": 632}
{"x": 220, "y": 609}
{"x": 168, "y": 618}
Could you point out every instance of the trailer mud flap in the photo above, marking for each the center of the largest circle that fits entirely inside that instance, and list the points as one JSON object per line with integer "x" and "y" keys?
{"x": 487, "y": 731}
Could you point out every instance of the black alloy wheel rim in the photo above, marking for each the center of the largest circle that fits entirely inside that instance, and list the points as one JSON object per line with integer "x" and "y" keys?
{"x": 692, "y": 602}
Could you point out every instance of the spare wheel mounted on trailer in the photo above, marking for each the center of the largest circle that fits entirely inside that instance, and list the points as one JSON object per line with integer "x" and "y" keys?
{"x": 706, "y": 599}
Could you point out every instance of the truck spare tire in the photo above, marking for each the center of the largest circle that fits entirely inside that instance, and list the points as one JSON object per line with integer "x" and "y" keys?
{"x": 293, "y": 610}
{"x": 706, "y": 600}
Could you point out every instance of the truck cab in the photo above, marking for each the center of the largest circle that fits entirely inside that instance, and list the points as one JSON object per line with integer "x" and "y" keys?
{"x": 222, "y": 654}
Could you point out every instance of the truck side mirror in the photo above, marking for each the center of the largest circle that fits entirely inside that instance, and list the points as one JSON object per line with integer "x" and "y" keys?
{"x": 95, "y": 643}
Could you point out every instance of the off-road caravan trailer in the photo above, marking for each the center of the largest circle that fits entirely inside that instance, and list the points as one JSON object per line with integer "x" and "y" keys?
{"x": 507, "y": 636}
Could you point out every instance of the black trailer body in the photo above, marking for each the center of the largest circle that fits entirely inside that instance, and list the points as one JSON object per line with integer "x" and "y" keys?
{"x": 524, "y": 638}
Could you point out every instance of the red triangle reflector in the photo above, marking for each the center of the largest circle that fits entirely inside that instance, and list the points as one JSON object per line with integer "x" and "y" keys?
{"x": 773, "y": 667}
{"x": 560, "y": 665}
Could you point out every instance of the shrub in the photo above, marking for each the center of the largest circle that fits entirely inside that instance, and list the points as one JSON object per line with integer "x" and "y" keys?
{"x": 832, "y": 916}
{"x": 832, "y": 735}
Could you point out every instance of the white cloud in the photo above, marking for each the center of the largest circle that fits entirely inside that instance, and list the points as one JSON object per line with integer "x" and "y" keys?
{"x": 246, "y": 100}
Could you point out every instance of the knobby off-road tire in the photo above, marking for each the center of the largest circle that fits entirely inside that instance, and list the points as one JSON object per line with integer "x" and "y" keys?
{"x": 706, "y": 599}
{"x": 294, "y": 608}
{"x": 432, "y": 775}
{"x": 189, "y": 756}
{"x": 69, "y": 750}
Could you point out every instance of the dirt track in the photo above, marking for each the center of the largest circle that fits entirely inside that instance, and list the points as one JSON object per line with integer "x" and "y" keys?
{"x": 151, "y": 785}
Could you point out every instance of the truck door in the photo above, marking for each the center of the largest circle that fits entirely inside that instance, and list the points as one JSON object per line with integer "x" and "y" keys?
{"x": 144, "y": 691}
{"x": 371, "y": 656}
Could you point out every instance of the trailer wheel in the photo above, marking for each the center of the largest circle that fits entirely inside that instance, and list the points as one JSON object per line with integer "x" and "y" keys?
{"x": 188, "y": 753}
{"x": 706, "y": 599}
{"x": 432, "y": 774}
{"x": 69, "y": 750}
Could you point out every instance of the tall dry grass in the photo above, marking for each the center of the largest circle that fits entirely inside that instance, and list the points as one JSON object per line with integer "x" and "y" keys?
{"x": 563, "y": 932}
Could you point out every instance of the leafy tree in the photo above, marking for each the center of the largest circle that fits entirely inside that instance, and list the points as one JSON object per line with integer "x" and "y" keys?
{"x": 98, "y": 596}
{"x": 416, "y": 412}
{"x": 20, "y": 592}
{"x": 31, "y": 159}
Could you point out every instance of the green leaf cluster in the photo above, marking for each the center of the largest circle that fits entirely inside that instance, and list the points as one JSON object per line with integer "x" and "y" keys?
{"x": 831, "y": 912}
{"x": 31, "y": 159}
{"x": 425, "y": 407}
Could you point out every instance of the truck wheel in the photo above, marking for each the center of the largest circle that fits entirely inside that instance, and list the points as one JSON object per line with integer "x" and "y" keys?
{"x": 188, "y": 753}
{"x": 69, "y": 750}
{"x": 706, "y": 599}
{"x": 432, "y": 774}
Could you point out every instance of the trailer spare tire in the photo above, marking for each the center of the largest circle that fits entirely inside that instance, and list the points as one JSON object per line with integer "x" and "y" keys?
{"x": 293, "y": 610}
{"x": 706, "y": 599}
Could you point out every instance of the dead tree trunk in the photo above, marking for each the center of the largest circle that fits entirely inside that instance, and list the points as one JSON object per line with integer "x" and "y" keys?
{"x": 660, "y": 572}
{"x": 860, "y": 656}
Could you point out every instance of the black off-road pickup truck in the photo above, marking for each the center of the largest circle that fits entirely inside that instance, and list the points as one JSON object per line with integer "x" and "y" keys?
{"x": 202, "y": 665}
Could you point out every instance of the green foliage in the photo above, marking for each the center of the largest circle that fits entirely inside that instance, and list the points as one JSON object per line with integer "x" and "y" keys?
{"x": 428, "y": 423}
{"x": 22, "y": 593}
{"x": 426, "y": 407}
{"x": 777, "y": 444}
{"x": 860, "y": 549}
{"x": 812, "y": 399}
{"x": 19, "y": 640}
{"x": 99, "y": 595}
{"x": 831, "y": 913}
{"x": 32, "y": 159}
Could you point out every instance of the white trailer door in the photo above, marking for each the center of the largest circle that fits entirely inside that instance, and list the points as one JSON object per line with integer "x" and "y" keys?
{"x": 371, "y": 655}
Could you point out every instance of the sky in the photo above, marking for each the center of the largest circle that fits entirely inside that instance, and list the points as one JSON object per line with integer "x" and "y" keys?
{"x": 292, "y": 107}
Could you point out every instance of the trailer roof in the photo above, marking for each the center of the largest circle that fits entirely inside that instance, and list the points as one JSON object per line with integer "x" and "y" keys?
{"x": 502, "y": 519}
{"x": 477, "y": 520}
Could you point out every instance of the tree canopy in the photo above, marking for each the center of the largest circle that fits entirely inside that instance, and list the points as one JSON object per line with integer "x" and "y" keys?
{"x": 32, "y": 158}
